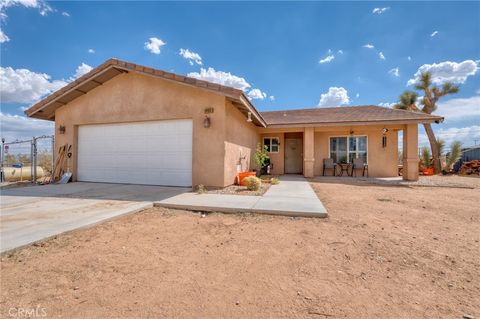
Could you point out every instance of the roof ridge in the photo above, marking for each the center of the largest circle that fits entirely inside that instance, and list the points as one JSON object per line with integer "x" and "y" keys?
{"x": 338, "y": 107}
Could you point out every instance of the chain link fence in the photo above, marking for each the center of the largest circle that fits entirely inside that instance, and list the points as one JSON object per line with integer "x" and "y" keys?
{"x": 27, "y": 160}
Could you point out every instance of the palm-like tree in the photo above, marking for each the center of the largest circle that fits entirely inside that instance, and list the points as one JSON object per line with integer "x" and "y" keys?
{"x": 432, "y": 94}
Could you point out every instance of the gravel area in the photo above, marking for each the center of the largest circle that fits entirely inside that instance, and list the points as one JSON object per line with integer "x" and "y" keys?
{"x": 239, "y": 190}
{"x": 452, "y": 181}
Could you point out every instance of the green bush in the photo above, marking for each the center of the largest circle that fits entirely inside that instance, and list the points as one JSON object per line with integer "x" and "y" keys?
{"x": 274, "y": 181}
{"x": 261, "y": 156}
{"x": 253, "y": 183}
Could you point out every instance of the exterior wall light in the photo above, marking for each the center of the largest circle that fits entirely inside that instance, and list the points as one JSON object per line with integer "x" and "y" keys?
{"x": 206, "y": 122}
{"x": 384, "y": 137}
{"x": 61, "y": 129}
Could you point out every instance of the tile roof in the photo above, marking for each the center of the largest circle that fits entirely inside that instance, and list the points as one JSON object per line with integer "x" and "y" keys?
{"x": 345, "y": 114}
{"x": 45, "y": 109}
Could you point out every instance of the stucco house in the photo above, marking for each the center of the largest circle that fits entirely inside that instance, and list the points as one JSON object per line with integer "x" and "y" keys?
{"x": 129, "y": 123}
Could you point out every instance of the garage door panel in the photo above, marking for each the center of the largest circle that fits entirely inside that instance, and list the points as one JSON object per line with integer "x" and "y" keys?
{"x": 155, "y": 153}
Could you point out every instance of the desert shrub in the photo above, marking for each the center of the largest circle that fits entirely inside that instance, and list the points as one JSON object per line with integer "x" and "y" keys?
{"x": 201, "y": 189}
{"x": 455, "y": 154}
{"x": 253, "y": 183}
{"x": 426, "y": 157}
{"x": 274, "y": 181}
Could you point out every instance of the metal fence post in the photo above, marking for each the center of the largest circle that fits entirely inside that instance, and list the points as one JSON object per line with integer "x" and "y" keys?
{"x": 53, "y": 153}
{"x": 2, "y": 158}
{"x": 34, "y": 163}
{"x": 31, "y": 158}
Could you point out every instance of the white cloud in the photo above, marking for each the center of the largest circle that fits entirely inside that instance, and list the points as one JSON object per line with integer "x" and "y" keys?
{"x": 16, "y": 127}
{"x": 357, "y": 95}
{"x": 82, "y": 69}
{"x": 380, "y": 10}
{"x": 335, "y": 96}
{"x": 447, "y": 71}
{"x": 65, "y": 14}
{"x": 153, "y": 45}
{"x": 41, "y": 5}
{"x": 3, "y": 37}
{"x": 409, "y": 58}
{"x": 386, "y": 104}
{"x": 395, "y": 71}
{"x": 327, "y": 59}
{"x": 466, "y": 135}
{"x": 220, "y": 77}
{"x": 191, "y": 56}
{"x": 340, "y": 51}
{"x": 381, "y": 56}
{"x": 91, "y": 51}
{"x": 256, "y": 94}
{"x": 272, "y": 98}
{"x": 368, "y": 46}
{"x": 458, "y": 109}
{"x": 434, "y": 33}
{"x": 25, "y": 86}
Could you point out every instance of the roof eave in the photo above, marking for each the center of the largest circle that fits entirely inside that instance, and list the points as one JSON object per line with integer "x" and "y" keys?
{"x": 245, "y": 101}
{"x": 356, "y": 123}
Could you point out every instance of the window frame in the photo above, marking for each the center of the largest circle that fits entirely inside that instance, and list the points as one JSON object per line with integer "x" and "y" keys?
{"x": 348, "y": 145}
{"x": 270, "y": 138}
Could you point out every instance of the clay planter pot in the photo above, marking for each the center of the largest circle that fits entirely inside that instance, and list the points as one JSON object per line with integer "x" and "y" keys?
{"x": 427, "y": 171}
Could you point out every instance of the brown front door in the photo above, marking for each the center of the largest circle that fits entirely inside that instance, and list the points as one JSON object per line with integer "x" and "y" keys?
{"x": 293, "y": 156}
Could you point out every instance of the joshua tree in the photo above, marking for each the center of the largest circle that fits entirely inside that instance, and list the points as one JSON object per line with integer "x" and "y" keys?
{"x": 429, "y": 104}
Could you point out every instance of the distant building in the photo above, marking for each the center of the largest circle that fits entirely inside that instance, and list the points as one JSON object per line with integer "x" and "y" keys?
{"x": 468, "y": 154}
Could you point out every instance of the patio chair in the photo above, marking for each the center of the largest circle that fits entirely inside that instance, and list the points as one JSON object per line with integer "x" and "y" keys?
{"x": 329, "y": 164}
{"x": 359, "y": 163}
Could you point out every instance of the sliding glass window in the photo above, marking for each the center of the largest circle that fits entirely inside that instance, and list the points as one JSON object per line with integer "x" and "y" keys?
{"x": 344, "y": 149}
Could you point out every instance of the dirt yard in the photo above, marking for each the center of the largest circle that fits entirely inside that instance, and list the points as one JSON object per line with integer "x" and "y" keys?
{"x": 385, "y": 251}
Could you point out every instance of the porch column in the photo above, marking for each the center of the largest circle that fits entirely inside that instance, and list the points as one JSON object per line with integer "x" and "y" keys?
{"x": 410, "y": 152}
{"x": 308, "y": 151}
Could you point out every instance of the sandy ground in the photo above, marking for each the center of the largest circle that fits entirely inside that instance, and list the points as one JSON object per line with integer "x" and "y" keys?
{"x": 385, "y": 251}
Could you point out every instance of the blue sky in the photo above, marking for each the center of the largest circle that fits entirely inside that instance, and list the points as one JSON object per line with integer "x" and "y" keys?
{"x": 285, "y": 55}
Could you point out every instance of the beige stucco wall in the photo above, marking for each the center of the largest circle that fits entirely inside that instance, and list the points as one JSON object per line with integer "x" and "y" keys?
{"x": 240, "y": 141}
{"x": 133, "y": 97}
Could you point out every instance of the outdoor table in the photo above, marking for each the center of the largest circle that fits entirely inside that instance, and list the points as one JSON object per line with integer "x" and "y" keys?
{"x": 344, "y": 167}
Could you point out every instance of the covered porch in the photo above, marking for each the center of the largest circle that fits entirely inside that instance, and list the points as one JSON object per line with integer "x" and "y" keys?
{"x": 304, "y": 150}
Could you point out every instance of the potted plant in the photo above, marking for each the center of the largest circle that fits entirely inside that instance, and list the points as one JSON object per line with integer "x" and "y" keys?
{"x": 426, "y": 162}
{"x": 261, "y": 159}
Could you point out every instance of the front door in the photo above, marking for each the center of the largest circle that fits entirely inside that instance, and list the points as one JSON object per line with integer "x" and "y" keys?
{"x": 293, "y": 156}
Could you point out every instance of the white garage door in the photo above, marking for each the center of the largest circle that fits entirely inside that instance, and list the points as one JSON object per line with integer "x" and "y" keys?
{"x": 151, "y": 153}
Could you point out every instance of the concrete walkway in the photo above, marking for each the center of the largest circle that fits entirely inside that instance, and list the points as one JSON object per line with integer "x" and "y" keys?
{"x": 292, "y": 197}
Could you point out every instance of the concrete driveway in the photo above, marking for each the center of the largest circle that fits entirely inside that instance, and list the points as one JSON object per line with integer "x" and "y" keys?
{"x": 29, "y": 214}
